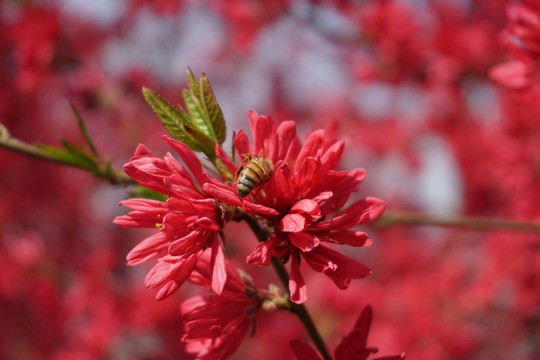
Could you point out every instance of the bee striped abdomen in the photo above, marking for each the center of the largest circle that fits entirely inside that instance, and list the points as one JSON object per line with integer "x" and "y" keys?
{"x": 254, "y": 173}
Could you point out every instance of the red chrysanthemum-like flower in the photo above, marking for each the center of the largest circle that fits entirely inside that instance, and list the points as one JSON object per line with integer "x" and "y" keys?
{"x": 187, "y": 223}
{"x": 214, "y": 326}
{"x": 352, "y": 347}
{"x": 307, "y": 192}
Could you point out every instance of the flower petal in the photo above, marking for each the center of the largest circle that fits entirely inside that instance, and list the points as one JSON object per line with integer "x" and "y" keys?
{"x": 147, "y": 249}
{"x": 188, "y": 156}
{"x": 304, "y": 241}
{"x": 187, "y": 245}
{"x": 226, "y": 160}
{"x": 169, "y": 276}
{"x": 336, "y": 266}
{"x": 288, "y": 144}
{"x": 241, "y": 143}
{"x": 219, "y": 273}
{"x": 293, "y": 223}
{"x": 297, "y": 285}
{"x": 252, "y": 208}
{"x": 262, "y": 254}
{"x": 303, "y": 351}
{"x": 352, "y": 238}
{"x": 222, "y": 192}
{"x": 311, "y": 148}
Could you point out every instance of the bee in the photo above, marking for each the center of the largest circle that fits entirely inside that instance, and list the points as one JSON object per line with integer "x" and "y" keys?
{"x": 253, "y": 172}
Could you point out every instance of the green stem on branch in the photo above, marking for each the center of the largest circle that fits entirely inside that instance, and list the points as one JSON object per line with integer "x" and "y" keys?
{"x": 107, "y": 172}
{"x": 391, "y": 218}
{"x": 298, "y": 309}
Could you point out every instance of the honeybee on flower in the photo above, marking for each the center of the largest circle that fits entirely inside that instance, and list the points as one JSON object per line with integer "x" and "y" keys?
{"x": 253, "y": 172}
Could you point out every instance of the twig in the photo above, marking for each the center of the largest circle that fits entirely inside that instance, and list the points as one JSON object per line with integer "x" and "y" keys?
{"x": 390, "y": 218}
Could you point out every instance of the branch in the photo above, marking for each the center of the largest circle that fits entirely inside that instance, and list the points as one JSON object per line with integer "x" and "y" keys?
{"x": 105, "y": 170}
{"x": 391, "y": 218}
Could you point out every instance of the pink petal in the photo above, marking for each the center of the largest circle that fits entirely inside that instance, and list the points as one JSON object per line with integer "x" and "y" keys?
{"x": 262, "y": 254}
{"x": 147, "y": 213}
{"x": 288, "y": 143}
{"x": 337, "y": 267}
{"x": 167, "y": 289}
{"x": 241, "y": 143}
{"x": 188, "y": 244}
{"x": 226, "y": 160}
{"x": 264, "y": 134}
{"x": 304, "y": 176}
{"x": 374, "y": 208}
{"x": 364, "y": 322}
{"x": 219, "y": 274}
{"x": 252, "y": 208}
{"x": 188, "y": 156}
{"x": 169, "y": 275}
{"x": 222, "y": 193}
{"x": 355, "y": 342}
{"x": 304, "y": 241}
{"x": 293, "y": 223}
{"x": 307, "y": 206}
{"x": 297, "y": 286}
{"x": 149, "y": 171}
{"x": 311, "y": 148}
{"x": 359, "y": 212}
{"x": 142, "y": 150}
{"x": 352, "y": 238}
{"x": 147, "y": 249}
{"x": 332, "y": 157}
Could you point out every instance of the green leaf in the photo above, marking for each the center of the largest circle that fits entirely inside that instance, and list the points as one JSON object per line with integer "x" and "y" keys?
{"x": 212, "y": 109}
{"x": 207, "y": 143}
{"x": 71, "y": 155}
{"x": 171, "y": 117}
{"x": 192, "y": 82}
{"x": 197, "y": 114}
{"x": 84, "y": 131}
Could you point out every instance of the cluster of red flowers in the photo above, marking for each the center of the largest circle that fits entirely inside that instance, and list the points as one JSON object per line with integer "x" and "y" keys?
{"x": 302, "y": 204}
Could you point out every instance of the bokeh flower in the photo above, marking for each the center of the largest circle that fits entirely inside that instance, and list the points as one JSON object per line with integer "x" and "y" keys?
{"x": 352, "y": 347}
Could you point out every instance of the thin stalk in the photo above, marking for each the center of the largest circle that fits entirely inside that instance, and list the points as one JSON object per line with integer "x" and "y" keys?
{"x": 390, "y": 218}
{"x": 299, "y": 310}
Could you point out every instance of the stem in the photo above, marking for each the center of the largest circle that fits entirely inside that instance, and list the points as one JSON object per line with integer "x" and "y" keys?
{"x": 112, "y": 175}
{"x": 298, "y": 309}
{"x": 394, "y": 218}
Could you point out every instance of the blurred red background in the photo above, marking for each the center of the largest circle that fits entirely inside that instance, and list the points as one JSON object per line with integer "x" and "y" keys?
{"x": 405, "y": 83}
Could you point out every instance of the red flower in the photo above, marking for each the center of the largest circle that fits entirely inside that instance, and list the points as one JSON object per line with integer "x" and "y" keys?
{"x": 215, "y": 325}
{"x": 352, "y": 347}
{"x": 522, "y": 40}
{"x": 306, "y": 190}
{"x": 188, "y": 222}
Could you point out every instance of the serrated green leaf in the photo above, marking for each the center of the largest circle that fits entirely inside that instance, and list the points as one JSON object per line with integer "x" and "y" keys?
{"x": 197, "y": 114}
{"x": 212, "y": 109}
{"x": 172, "y": 118}
{"x": 192, "y": 82}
